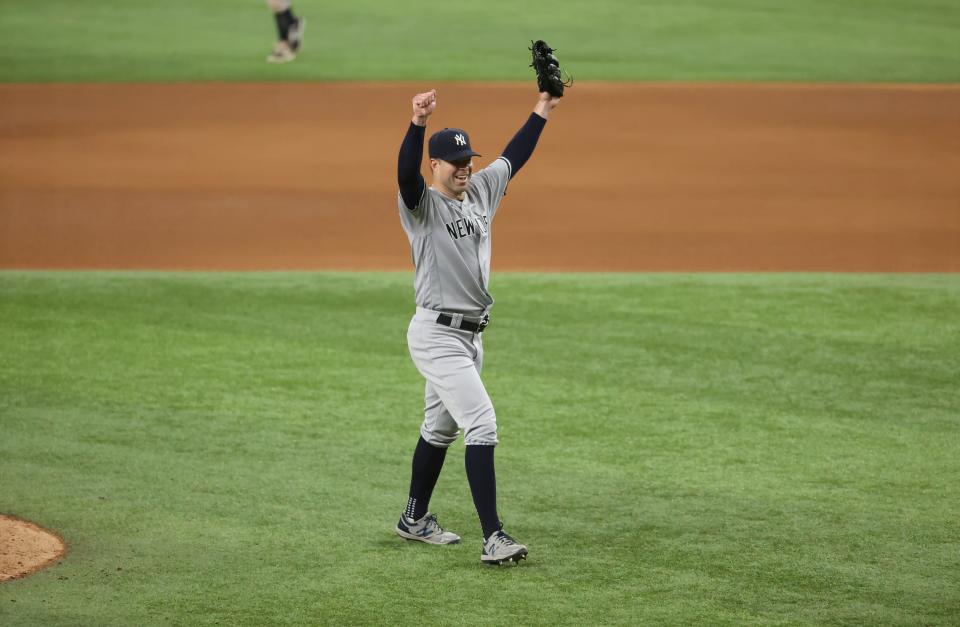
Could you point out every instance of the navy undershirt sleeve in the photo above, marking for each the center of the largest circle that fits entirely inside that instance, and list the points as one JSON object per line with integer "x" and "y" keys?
{"x": 408, "y": 166}
{"x": 521, "y": 146}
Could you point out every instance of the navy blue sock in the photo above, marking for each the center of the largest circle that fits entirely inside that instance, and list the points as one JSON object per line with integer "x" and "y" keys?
{"x": 427, "y": 464}
{"x": 482, "y": 477}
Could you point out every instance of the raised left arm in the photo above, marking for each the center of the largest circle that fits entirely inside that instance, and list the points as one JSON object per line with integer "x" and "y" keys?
{"x": 520, "y": 148}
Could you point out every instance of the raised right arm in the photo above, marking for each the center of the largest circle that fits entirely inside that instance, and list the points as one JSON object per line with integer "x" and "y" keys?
{"x": 408, "y": 167}
{"x": 409, "y": 179}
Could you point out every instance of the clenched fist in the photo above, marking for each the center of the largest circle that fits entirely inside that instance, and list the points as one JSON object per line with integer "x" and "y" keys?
{"x": 423, "y": 105}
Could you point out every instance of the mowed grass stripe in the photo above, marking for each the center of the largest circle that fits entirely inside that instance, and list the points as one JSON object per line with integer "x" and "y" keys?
{"x": 682, "y": 40}
{"x": 234, "y": 448}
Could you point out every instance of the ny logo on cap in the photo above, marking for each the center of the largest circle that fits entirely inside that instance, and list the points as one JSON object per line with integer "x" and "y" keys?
{"x": 460, "y": 139}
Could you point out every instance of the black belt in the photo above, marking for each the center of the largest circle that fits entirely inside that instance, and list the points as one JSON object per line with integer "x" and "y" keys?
{"x": 466, "y": 325}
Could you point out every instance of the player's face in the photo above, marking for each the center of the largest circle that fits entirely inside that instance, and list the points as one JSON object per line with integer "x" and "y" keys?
{"x": 452, "y": 176}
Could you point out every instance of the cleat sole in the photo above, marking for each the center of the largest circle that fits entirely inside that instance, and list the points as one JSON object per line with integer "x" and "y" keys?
{"x": 507, "y": 560}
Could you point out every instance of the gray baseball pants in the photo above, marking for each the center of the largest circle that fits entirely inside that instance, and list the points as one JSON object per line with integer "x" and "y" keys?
{"x": 454, "y": 397}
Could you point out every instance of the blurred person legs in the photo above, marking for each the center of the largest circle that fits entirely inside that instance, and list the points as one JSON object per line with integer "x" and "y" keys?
{"x": 289, "y": 32}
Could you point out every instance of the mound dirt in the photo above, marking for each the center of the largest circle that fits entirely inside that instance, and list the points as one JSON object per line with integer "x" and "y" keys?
{"x": 26, "y": 548}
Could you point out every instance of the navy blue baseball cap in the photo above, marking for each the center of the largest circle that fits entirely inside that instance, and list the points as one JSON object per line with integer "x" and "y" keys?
{"x": 451, "y": 144}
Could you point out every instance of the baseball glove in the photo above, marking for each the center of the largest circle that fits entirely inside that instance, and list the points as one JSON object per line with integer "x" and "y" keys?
{"x": 548, "y": 69}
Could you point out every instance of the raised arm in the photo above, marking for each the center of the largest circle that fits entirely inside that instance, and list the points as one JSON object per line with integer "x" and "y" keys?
{"x": 521, "y": 146}
{"x": 409, "y": 178}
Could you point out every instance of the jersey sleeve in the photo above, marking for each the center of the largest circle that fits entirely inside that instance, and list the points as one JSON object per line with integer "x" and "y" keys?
{"x": 403, "y": 201}
{"x": 416, "y": 220}
{"x": 491, "y": 184}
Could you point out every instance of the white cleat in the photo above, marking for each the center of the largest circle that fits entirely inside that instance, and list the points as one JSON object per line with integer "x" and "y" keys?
{"x": 500, "y": 548}
{"x": 427, "y": 529}
{"x": 282, "y": 53}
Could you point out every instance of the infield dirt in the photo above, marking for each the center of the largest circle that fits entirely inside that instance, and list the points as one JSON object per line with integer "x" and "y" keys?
{"x": 627, "y": 177}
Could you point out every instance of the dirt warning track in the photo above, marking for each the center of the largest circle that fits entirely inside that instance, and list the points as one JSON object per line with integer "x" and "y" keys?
{"x": 627, "y": 177}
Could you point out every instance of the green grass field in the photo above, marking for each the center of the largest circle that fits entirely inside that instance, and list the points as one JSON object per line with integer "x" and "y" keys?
{"x": 804, "y": 40}
{"x": 234, "y": 449}
{"x": 675, "y": 449}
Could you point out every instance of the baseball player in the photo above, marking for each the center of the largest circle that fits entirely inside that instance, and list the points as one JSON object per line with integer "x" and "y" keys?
{"x": 448, "y": 226}
{"x": 289, "y": 32}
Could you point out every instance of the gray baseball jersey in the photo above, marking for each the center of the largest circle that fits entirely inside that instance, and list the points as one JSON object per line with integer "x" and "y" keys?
{"x": 450, "y": 243}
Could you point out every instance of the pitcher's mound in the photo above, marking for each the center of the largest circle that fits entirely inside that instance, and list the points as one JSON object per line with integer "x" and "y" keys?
{"x": 26, "y": 548}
